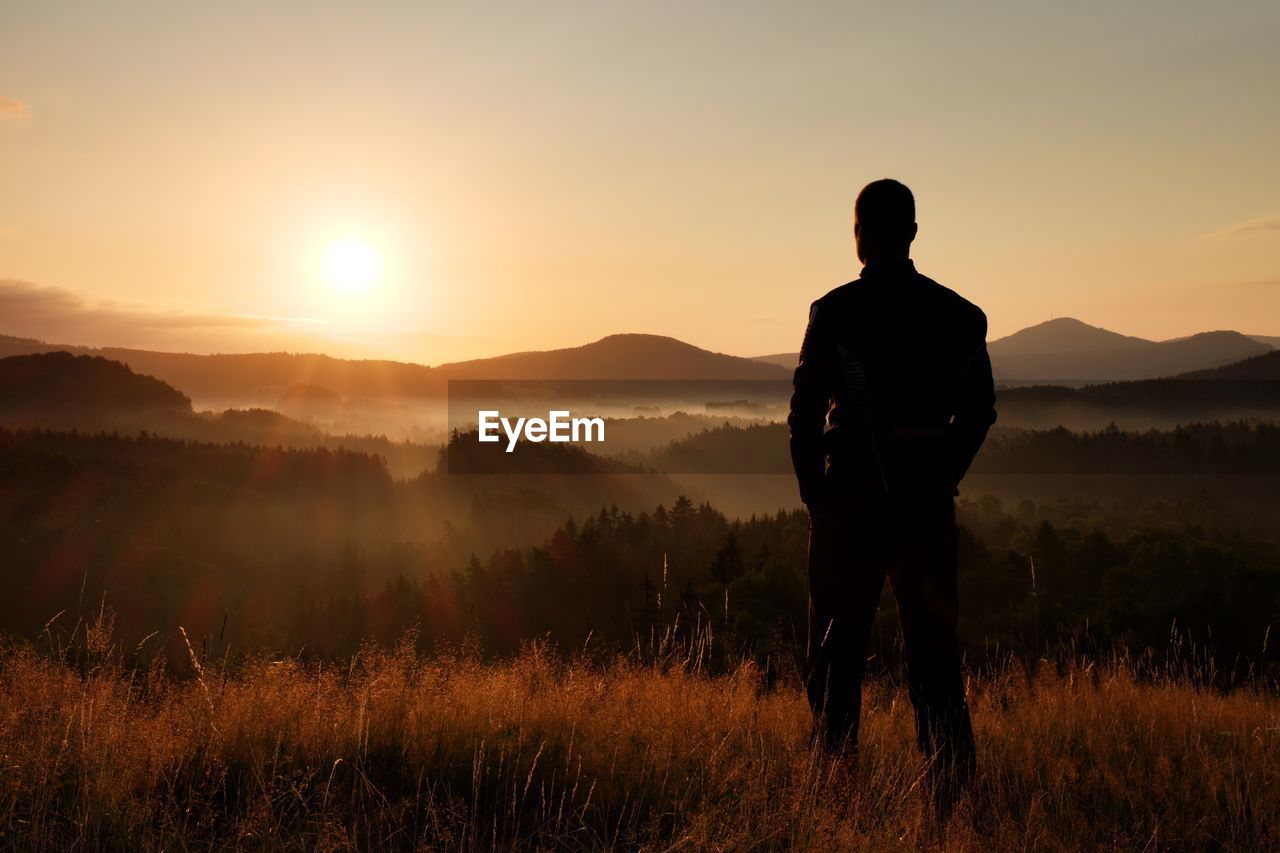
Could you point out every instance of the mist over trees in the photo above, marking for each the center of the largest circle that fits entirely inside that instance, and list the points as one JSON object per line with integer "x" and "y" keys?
{"x": 316, "y": 551}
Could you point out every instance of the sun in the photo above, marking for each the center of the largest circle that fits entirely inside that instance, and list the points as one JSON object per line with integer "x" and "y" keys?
{"x": 351, "y": 266}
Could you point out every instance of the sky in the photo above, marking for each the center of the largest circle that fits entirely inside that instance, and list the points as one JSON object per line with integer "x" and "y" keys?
{"x": 435, "y": 182}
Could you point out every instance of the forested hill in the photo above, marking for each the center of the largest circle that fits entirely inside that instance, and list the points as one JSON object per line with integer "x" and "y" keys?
{"x": 1212, "y": 448}
{"x": 1260, "y": 368}
{"x": 62, "y": 383}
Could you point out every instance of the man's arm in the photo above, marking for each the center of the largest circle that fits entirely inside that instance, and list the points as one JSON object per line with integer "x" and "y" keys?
{"x": 975, "y": 410}
{"x": 810, "y": 400}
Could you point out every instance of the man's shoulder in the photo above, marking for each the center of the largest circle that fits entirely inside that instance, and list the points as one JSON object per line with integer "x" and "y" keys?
{"x": 837, "y": 295}
{"x": 953, "y": 301}
{"x": 846, "y": 295}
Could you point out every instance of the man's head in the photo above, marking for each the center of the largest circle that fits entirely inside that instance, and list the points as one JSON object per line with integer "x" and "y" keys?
{"x": 884, "y": 221}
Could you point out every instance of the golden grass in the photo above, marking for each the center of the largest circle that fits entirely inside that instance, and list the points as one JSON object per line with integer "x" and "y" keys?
{"x": 402, "y": 751}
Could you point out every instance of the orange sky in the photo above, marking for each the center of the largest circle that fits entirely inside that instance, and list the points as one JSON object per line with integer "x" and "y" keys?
{"x": 540, "y": 175}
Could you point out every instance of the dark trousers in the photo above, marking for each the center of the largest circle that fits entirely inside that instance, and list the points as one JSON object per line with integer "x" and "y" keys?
{"x": 855, "y": 542}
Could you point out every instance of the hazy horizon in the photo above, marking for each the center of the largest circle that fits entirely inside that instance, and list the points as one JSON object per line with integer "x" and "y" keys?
{"x": 338, "y": 352}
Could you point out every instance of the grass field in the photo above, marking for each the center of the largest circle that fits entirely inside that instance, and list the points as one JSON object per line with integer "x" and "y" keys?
{"x": 399, "y": 751}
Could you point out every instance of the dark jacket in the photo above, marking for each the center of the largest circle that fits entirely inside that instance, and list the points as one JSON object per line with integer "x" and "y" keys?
{"x": 895, "y": 366}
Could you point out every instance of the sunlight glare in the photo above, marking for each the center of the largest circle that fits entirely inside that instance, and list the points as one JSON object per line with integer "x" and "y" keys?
{"x": 351, "y": 266}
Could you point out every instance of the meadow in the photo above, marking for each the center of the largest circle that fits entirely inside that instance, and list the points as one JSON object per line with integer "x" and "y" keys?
{"x": 396, "y": 750}
{"x": 435, "y": 664}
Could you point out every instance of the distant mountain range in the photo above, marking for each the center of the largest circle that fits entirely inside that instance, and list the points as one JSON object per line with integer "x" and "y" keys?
{"x": 254, "y": 377}
{"x": 64, "y": 391}
{"x": 1067, "y": 350}
{"x": 264, "y": 378}
{"x": 1058, "y": 351}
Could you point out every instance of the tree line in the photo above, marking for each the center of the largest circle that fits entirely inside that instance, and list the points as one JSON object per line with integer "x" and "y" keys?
{"x": 317, "y": 551}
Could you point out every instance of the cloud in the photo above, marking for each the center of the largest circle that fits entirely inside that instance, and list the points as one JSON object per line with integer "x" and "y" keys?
{"x": 24, "y": 303}
{"x": 1253, "y": 226}
{"x": 62, "y": 316}
{"x": 11, "y": 109}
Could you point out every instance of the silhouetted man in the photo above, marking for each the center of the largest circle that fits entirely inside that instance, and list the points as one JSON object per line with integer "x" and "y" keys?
{"x": 894, "y": 366}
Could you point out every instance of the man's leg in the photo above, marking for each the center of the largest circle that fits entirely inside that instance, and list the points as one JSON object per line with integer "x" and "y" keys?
{"x": 925, "y": 585}
{"x": 846, "y": 575}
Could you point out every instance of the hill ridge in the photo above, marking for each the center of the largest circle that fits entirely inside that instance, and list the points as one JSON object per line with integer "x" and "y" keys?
{"x": 265, "y": 377}
{"x": 60, "y": 382}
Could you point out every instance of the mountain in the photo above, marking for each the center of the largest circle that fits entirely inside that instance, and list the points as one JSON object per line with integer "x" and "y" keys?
{"x": 1066, "y": 349}
{"x": 1243, "y": 387}
{"x": 1061, "y": 337}
{"x": 257, "y": 377}
{"x": 1064, "y": 335}
{"x": 1270, "y": 340}
{"x": 90, "y": 394}
{"x": 1242, "y": 390}
{"x": 60, "y": 383}
{"x": 263, "y": 378}
{"x": 785, "y": 359}
{"x": 617, "y": 357}
{"x": 1260, "y": 368}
